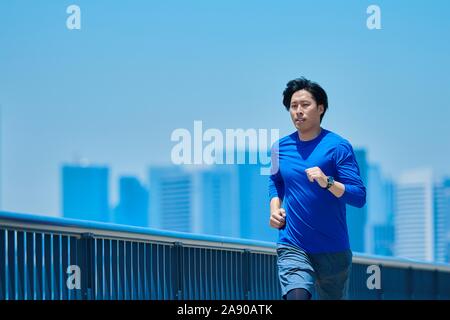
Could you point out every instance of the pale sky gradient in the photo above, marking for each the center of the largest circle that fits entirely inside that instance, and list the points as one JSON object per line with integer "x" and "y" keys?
{"x": 115, "y": 90}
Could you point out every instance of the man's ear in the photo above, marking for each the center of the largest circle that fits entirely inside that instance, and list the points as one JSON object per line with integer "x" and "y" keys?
{"x": 321, "y": 108}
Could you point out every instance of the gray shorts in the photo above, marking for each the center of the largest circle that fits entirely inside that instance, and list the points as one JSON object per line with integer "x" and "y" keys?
{"x": 328, "y": 273}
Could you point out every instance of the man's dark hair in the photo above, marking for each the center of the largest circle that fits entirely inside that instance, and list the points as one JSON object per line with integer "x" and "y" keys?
{"x": 319, "y": 95}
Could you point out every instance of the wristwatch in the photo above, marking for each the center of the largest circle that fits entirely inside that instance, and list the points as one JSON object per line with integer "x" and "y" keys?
{"x": 330, "y": 182}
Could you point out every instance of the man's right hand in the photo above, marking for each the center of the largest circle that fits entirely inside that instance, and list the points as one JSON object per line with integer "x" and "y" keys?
{"x": 278, "y": 218}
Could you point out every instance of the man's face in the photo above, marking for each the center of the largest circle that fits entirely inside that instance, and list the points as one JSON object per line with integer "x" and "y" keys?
{"x": 305, "y": 113}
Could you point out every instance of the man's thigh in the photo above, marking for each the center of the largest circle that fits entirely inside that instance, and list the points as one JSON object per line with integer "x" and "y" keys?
{"x": 332, "y": 274}
{"x": 294, "y": 269}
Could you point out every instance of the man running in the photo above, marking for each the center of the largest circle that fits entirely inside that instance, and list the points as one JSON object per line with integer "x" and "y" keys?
{"x": 314, "y": 175}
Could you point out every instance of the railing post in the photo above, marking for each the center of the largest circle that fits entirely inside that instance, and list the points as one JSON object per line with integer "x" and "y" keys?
{"x": 86, "y": 259}
{"x": 246, "y": 273}
{"x": 380, "y": 292}
{"x": 436, "y": 294}
{"x": 410, "y": 283}
{"x": 178, "y": 264}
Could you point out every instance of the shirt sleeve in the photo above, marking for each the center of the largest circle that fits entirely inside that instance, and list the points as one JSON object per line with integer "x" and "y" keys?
{"x": 348, "y": 173}
{"x": 276, "y": 183}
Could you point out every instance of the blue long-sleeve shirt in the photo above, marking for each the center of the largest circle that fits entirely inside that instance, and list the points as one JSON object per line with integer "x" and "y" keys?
{"x": 315, "y": 218}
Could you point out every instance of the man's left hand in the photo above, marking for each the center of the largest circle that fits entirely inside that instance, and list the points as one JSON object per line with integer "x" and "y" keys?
{"x": 316, "y": 174}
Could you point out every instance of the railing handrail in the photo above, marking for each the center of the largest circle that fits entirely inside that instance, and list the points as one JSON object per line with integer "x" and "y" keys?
{"x": 77, "y": 227}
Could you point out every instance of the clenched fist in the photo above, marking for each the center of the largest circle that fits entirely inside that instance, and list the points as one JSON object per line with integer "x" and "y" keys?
{"x": 278, "y": 218}
{"x": 316, "y": 174}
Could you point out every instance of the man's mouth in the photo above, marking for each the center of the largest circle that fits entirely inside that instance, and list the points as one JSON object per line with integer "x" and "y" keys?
{"x": 299, "y": 120}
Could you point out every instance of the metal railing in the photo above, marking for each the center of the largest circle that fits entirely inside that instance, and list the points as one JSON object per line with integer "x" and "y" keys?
{"x": 39, "y": 257}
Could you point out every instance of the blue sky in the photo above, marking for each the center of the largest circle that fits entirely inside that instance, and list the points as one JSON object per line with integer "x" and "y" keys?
{"x": 115, "y": 90}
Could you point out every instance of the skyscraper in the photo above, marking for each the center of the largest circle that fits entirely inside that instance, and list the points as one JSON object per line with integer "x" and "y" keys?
{"x": 254, "y": 203}
{"x": 424, "y": 216}
{"x": 227, "y": 200}
{"x": 219, "y": 201}
{"x": 85, "y": 192}
{"x": 1, "y": 155}
{"x": 380, "y": 213}
{"x": 133, "y": 203}
{"x": 384, "y": 239}
{"x": 447, "y": 200}
{"x": 414, "y": 215}
{"x": 194, "y": 199}
{"x": 441, "y": 219}
{"x": 171, "y": 198}
{"x": 357, "y": 217}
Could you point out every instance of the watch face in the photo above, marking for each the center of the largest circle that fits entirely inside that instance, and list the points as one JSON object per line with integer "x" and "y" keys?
{"x": 330, "y": 181}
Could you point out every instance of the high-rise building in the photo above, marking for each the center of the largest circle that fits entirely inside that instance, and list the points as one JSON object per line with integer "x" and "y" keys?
{"x": 441, "y": 219}
{"x": 375, "y": 206}
{"x": 133, "y": 203}
{"x": 376, "y": 209}
{"x": 254, "y": 204}
{"x": 85, "y": 192}
{"x": 384, "y": 239}
{"x": 218, "y": 201}
{"x": 357, "y": 217}
{"x": 194, "y": 199}
{"x": 446, "y": 186}
{"x": 423, "y": 216}
{"x": 171, "y": 198}
{"x": 1, "y": 155}
{"x": 415, "y": 215}
{"x": 380, "y": 212}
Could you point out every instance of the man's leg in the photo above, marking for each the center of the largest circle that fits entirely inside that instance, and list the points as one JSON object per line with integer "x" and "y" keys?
{"x": 295, "y": 272}
{"x": 334, "y": 287}
{"x": 333, "y": 273}
{"x": 298, "y": 294}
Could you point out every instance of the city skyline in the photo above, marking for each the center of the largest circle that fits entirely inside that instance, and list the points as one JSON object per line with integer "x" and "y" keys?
{"x": 114, "y": 200}
{"x": 114, "y": 192}
{"x": 231, "y": 201}
{"x": 83, "y": 162}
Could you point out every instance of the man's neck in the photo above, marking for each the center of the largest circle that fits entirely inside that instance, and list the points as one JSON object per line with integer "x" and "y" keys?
{"x": 310, "y": 134}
